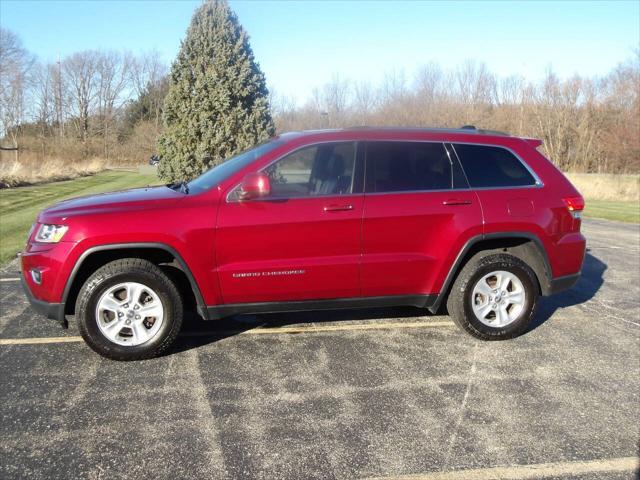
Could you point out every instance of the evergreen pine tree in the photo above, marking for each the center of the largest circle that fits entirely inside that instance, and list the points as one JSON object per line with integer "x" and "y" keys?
{"x": 217, "y": 104}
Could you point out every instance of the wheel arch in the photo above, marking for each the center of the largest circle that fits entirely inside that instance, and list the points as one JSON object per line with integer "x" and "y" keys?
{"x": 523, "y": 245}
{"x": 158, "y": 253}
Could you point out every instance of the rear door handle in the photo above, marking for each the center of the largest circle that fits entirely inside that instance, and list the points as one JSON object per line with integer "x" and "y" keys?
{"x": 337, "y": 208}
{"x": 456, "y": 201}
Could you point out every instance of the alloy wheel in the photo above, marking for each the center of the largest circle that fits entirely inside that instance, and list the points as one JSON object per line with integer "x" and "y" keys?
{"x": 498, "y": 299}
{"x": 129, "y": 314}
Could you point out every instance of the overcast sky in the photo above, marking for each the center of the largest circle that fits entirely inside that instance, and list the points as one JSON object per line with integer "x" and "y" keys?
{"x": 303, "y": 44}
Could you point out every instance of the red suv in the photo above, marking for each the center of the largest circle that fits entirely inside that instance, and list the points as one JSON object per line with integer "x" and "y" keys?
{"x": 363, "y": 217}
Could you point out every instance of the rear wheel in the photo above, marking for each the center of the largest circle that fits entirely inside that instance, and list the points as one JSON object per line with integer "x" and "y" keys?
{"x": 129, "y": 310}
{"x": 494, "y": 297}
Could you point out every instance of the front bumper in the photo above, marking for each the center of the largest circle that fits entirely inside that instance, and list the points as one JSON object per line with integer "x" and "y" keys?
{"x": 51, "y": 261}
{"x": 53, "y": 311}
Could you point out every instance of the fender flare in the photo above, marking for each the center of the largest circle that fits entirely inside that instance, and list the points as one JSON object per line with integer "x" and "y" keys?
{"x": 545, "y": 283}
{"x": 201, "y": 306}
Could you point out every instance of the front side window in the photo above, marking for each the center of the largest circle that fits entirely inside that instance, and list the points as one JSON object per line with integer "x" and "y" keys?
{"x": 221, "y": 172}
{"x": 408, "y": 166}
{"x": 487, "y": 167}
{"x": 324, "y": 169}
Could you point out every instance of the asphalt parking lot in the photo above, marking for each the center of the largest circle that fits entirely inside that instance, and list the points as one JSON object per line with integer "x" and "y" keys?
{"x": 353, "y": 394}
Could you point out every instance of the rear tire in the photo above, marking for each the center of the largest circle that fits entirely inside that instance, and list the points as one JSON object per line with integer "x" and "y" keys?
{"x": 129, "y": 309}
{"x": 494, "y": 297}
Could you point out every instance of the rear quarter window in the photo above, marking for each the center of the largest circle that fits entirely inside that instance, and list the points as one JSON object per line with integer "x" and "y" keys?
{"x": 487, "y": 166}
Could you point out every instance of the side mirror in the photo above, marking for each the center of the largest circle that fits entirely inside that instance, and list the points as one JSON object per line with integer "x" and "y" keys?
{"x": 255, "y": 185}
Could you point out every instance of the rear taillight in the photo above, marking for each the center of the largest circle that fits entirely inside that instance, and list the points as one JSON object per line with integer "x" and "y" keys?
{"x": 575, "y": 205}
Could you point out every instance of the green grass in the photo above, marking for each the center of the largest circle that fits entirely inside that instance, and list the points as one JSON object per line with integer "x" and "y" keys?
{"x": 613, "y": 210}
{"x": 19, "y": 206}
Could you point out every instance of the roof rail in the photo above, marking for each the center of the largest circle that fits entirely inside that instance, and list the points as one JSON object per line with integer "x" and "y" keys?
{"x": 467, "y": 129}
{"x": 482, "y": 131}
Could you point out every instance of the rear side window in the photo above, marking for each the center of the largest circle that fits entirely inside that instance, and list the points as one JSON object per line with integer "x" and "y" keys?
{"x": 408, "y": 166}
{"x": 488, "y": 166}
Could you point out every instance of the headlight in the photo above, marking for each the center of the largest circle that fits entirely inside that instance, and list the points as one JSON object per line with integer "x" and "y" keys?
{"x": 50, "y": 233}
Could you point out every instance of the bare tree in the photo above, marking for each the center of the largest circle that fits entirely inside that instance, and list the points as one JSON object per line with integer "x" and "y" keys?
{"x": 364, "y": 101}
{"x": 429, "y": 81}
{"x": 431, "y": 93}
{"x": 112, "y": 77}
{"x": 475, "y": 88}
{"x": 15, "y": 65}
{"x": 395, "y": 98}
{"x": 147, "y": 74}
{"x": 284, "y": 108}
{"x": 60, "y": 96}
{"x": 331, "y": 101}
{"x": 44, "y": 101}
{"x": 80, "y": 75}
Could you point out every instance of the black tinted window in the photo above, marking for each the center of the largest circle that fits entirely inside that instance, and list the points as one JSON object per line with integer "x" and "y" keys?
{"x": 487, "y": 166}
{"x": 403, "y": 166}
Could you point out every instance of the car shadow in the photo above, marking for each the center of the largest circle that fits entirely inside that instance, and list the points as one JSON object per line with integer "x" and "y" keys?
{"x": 584, "y": 290}
{"x": 196, "y": 332}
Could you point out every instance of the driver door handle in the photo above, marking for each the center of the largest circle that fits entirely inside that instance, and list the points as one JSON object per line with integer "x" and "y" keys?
{"x": 456, "y": 201}
{"x": 337, "y": 208}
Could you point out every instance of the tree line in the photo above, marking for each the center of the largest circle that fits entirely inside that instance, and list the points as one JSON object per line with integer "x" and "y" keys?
{"x": 109, "y": 104}
{"x": 93, "y": 103}
{"x": 587, "y": 124}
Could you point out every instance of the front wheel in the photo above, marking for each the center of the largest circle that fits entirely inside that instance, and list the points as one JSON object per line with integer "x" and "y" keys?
{"x": 494, "y": 298}
{"x": 129, "y": 309}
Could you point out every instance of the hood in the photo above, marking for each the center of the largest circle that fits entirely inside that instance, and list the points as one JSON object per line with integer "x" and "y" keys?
{"x": 135, "y": 199}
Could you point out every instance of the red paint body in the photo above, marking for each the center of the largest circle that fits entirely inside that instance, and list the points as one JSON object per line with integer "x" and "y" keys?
{"x": 344, "y": 246}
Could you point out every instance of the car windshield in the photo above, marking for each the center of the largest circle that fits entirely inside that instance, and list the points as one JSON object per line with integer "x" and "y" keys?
{"x": 219, "y": 173}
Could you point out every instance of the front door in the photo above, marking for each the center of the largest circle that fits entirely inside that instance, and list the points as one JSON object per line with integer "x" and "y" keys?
{"x": 303, "y": 241}
{"x": 418, "y": 212}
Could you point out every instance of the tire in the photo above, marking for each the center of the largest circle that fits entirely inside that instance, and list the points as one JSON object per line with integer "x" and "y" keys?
{"x": 144, "y": 329}
{"x": 473, "y": 296}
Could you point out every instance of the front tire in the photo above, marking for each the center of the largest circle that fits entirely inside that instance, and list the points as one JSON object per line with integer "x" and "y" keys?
{"x": 129, "y": 309}
{"x": 494, "y": 297}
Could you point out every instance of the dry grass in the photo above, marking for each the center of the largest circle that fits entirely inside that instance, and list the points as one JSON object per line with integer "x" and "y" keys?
{"x": 13, "y": 174}
{"x": 604, "y": 186}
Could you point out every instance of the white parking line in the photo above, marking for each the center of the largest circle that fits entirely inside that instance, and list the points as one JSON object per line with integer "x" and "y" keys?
{"x": 38, "y": 340}
{"x": 525, "y": 472}
{"x": 12, "y": 279}
{"x": 255, "y": 331}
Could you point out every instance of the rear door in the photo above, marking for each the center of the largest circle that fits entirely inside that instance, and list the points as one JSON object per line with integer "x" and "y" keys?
{"x": 302, "y": 242}
{"x": 418, "y": 213}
